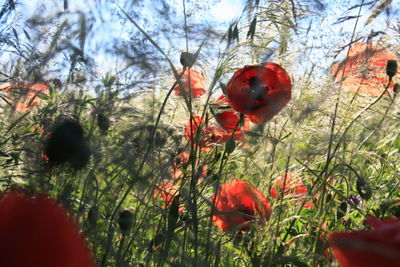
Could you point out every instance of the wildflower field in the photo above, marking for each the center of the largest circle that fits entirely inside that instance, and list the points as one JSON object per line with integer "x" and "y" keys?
{"x": 199, "y": 133}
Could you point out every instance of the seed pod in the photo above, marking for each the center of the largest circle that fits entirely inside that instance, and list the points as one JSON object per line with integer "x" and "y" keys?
{"x": 125, "y": 221}
{"x": 391, "y": 68}
{"x": 187, "y": 59}
{"x": 363, "y": 188}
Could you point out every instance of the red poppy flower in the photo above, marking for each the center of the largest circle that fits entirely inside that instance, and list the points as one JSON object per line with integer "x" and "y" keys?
{"x": 28, "y": 94}
{"x": 229, "y": 118}
{"x": 293, "y": 186}
{"x": 364, "y": 69}
{"x": 260, "y": 91}
{"x": 209, "y": 136}
{"x": 192, "y": 80}
{"x": 181, "y": 160}
{"x": 167, "y": 191}
{"x": 36, "y": 232}
{"x": 377, "y": 247}
{"x": 237, "y": 203}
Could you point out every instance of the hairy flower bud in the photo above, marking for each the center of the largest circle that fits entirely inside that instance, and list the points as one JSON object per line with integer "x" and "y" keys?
{"x": 125, "y": 221}
{"x": 391, "y": 68}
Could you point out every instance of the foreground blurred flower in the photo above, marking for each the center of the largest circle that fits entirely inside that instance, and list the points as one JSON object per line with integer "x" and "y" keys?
{"x": 292, "y": 186}
{"x": 192, "y": 81}
{"x": 260, "y": 91}
{"x": 365, "y": 69}
{"x": 205, "y": 137}
{"x": 229, "y": 118}
{"x": 28, "y": 94}
{"x": 377, "y": 247}
{"x": 237, "y": 203}
{"x": 67, "y": 144}
{"x": 36, "y": 232}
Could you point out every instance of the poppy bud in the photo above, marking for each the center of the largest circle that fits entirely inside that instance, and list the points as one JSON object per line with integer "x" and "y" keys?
{"x": 125, "y": 221}
{"x": 363, "y": 188}
{"x": 155, "y": 243}
{"x": 187, "y": 59}
{"x": 341, "y": 211}
{"x": 92, "y": 215}
{"x": 103, "y": 122}
{"x": 230, "y": 146}
{"x": 57, "y": 83}
{"x": 396, "y": 88}
{"x": 66, "y": 144}
{"x": 391, "y": 68}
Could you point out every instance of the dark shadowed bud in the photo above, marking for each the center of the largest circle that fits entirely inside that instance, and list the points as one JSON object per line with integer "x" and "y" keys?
{"x": 125, "y": 221}
{"x": 187, "y": 59}
{"x": 57, "y": 83}
{"x": 103, "y": 122}
{"x": 93, "y": 215}
{"x": 155, "y": 243}
{"x": 230, "y": 146}
{"x": 363, "y": 188}
{"x": 341, "y": 210}
{"x": 67, "y": 144}
{"x": 391, "y": 68}
{"x": 396, "y": 88}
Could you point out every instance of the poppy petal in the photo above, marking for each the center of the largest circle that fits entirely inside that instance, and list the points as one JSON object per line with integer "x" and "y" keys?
{"x": 260, "y": 91}
{"x": 35, "y": 231}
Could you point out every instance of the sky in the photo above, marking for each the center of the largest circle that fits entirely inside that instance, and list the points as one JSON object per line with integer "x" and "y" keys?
{"x": 325, "y": 37}
{"x": 108, "y": 27}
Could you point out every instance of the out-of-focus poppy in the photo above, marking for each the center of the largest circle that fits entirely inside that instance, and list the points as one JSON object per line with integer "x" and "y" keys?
{"x": 193, "y": 81}
{"x": 292, "y": 186}
{"x": 27, "y": 94}
{"x": 35, "y": 231}
{"x": 377, "y": 247}
{"x": 179, "y": 164}
{"x": 237, "y": 203}
{"x": 260, "y": 91}
{"x": 228, "y": 118}
{"x": 208, "y": 136}
{"x": 364, "y": 69}
{"x": 168, "y": 191}
{"x": 43, "y": 128}
{"x": 67, "y": 144}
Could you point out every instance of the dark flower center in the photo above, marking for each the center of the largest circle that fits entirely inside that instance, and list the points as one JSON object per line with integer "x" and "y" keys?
{"x": 257, "y": 91}
{"x": 246, "y": 211}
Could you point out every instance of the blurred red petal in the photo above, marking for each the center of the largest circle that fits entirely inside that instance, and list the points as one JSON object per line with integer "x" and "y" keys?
{"x": 28, "y": 94}
{"x": 364, "y": 69}
{"x": 294, "y": 186}
{"x": 36, "y": 232}
{"x": 192, "y": 80}
{"x": 167, "y": 191}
